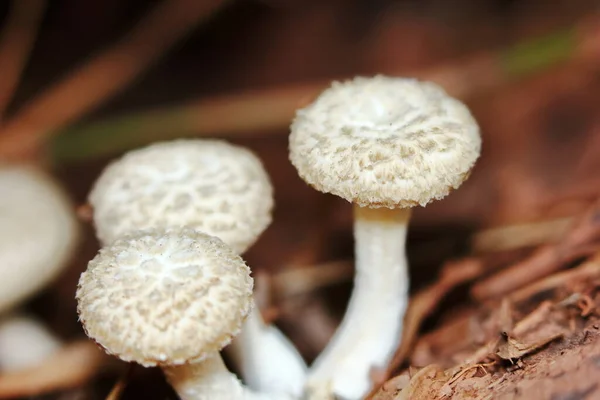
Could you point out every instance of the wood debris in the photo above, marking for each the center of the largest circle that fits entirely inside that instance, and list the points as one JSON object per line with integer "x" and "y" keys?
{"x": 511, "y": 349}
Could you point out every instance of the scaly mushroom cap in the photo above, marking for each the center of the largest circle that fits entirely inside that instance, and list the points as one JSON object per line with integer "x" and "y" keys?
{"x": 209, "y": 185}
{"x": 38, "y": 232}
{"x": 164, "y": 297}
{"x": 385, "y": 142}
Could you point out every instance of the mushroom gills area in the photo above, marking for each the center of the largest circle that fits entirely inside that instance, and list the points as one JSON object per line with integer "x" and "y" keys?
{"x": 372, "y": 326}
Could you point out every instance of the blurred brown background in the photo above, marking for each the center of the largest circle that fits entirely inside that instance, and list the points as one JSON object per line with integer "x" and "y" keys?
{"x": 541, "y": 130}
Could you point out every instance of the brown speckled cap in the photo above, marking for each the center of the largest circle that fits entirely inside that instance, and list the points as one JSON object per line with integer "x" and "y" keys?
{"x": 164, "y": 298}
{"x": 205, "y": 184}
{"x": 385, "y": 142}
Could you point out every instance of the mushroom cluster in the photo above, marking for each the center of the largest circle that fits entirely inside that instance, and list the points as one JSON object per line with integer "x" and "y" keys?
{"x": 214, "y": 188}
{"x": 169, "y": 288}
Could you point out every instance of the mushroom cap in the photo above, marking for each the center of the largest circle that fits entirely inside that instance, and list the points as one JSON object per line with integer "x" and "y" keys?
{"x": 38, "y": 232}
{"x": 164, "y": 297}
{"x": 385, "y": 142}
{"x": 209, "y": 185}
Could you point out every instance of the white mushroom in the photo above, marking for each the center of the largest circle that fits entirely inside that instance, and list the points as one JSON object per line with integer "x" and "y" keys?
{"x": 24, "y": 342}
{"x": 384, "y": 144}
{"x": 38, "y": 234}
{"x": 217, "y": 188}
{"x": 208, "y": 185}
{"x": 174, "y": 299}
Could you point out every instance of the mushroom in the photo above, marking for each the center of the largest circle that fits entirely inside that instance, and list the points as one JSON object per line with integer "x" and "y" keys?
{"x": 38, "y": 235}
{"x": 385, "y": 144}
{"x": 172, "y": 299}
{"x": 208, "y": 185}
{"x": 217, "y": 188}
{"x": 24, "y": 342}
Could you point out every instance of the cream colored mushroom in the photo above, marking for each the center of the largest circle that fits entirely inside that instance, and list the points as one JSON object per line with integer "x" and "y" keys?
{"x": 386, "y": 145}
{"x": 219, "y": 189}
{"x": 174, "y": 299}
{"x": 38, "y": 234}
{"x": 209, "y": 185}
{"x": 24, "y": 342}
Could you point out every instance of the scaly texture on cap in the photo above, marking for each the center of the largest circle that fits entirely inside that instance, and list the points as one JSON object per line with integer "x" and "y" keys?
{"x": 209, "y": 185}
{"x": 38, "y": 232}
{"x": 385, "y": 142}
{"x": 164, "y": 297}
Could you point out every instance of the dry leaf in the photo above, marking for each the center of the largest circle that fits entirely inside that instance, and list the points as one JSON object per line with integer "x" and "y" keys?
{"x": 509, "y": 348}
{"x": 392, "y": 387}
{"x": 425, "y": 384}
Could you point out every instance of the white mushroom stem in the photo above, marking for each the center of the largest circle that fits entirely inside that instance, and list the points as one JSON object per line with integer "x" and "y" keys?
{"x": 211, "y": 380}
{"x": 267, "y": 360}
{"x": 372, "y": 326}
{"x": 24, "y": 343}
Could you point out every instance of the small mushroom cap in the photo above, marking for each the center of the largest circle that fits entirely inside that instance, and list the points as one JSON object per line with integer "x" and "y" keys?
{"x": 164, "y": 297}
{"x": 209, "y": 185}
{"x": 385, "y": 142}
{"x": 38, "y": 232}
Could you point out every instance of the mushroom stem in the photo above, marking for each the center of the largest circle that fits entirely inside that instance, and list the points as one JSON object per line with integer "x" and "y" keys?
{"x": 372, "y": 326}
{"x": 267, "y": 360}
{"x": 210, "y": 380}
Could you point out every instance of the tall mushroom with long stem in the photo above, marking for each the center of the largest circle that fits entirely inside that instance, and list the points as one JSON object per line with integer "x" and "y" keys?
{"x": 217, "y": 188}
{"x": 174, "y": 299}
{"x": 386, "y": 145}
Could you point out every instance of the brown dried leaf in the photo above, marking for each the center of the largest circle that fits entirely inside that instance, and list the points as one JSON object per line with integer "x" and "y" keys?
{"x": 509, "y": 348}
{"x": 425, "y": 384}
{"x": 390, "y": 389}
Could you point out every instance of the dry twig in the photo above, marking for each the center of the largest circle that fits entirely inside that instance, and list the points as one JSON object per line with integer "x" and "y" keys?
{"x": 17, "y": 39}
{"x": 102, "y": 76}
{"x": 121, "y": 384}
{"x": 588, "y": 270}
{"x": 517, "y": 236}
{"x": 271, "y": 109}
{"x": 546, "y": 259}
{"x": 296, "y": 281}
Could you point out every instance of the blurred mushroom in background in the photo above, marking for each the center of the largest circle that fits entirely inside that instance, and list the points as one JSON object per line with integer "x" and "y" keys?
{"x": 38, "y": 236}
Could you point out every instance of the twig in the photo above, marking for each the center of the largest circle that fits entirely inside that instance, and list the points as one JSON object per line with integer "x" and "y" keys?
{"x": 545, "y": 260}
{"x": 70, "y": 367}
{"x": 121, "y": 384}
{"x": 239, "y": 115}
{"x": 17, "y": 39}
{"x": 535, "y": 318}
{"x": 584, "y": 191}
{"x": 301, "y": 280}
{"x": 104, "y": 75}
{"x": 269, "y": 110}
{"x": 517, "y": 236}
{"x": 587, "y": 270}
